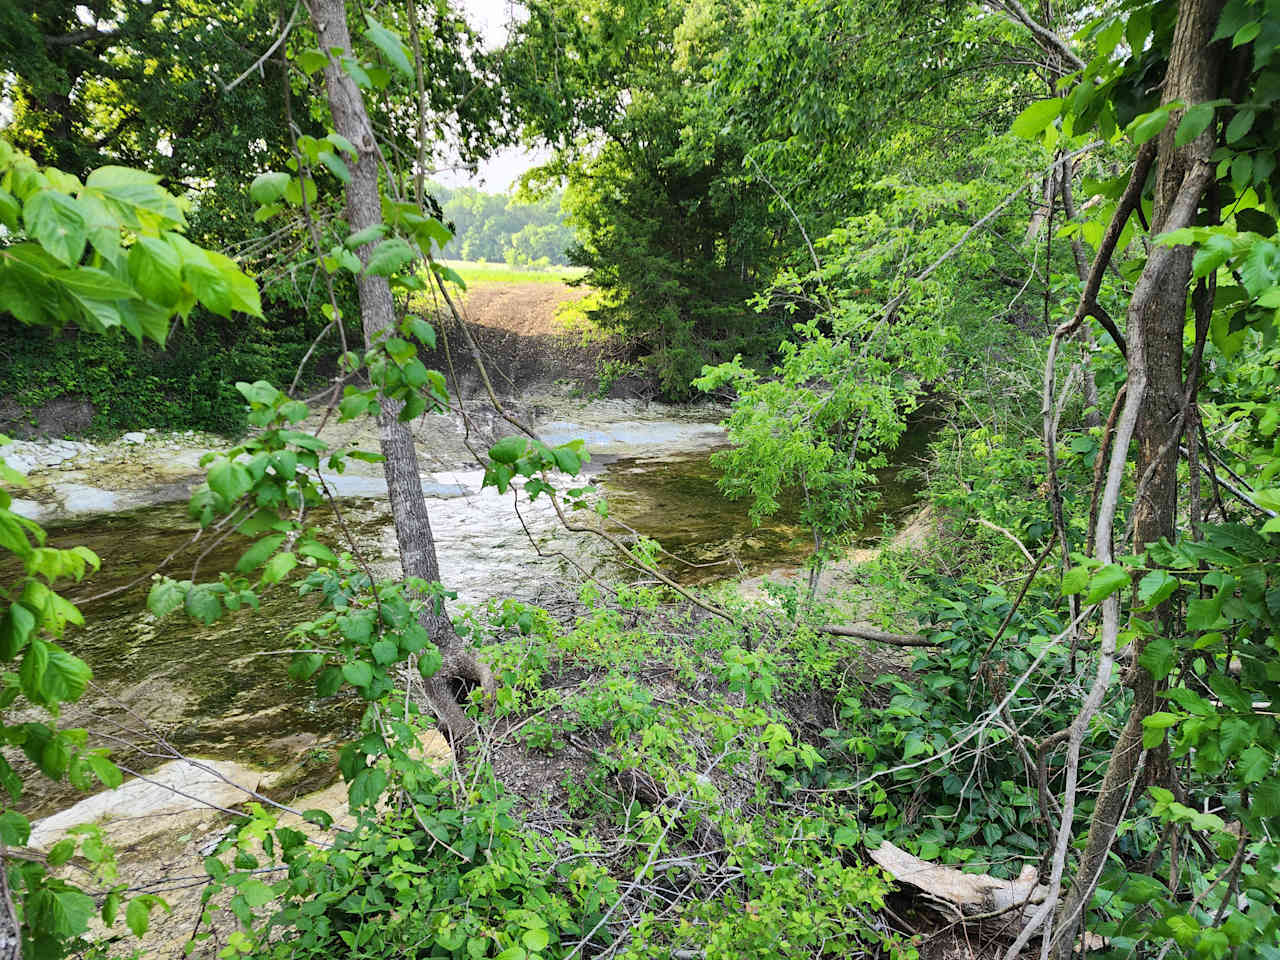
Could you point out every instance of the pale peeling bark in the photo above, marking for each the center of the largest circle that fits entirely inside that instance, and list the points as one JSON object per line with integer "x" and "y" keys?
{"x": 1156, "y": 317}
{"x": 377, "y": 313}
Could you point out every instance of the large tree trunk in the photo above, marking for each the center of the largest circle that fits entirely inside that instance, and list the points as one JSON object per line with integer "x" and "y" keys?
{"x": 1156, "y": 319}
{"x": 377, "y": 312}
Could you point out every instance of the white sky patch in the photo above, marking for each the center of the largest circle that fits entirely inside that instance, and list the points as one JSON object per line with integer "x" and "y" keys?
{"x": 499, "y": 172}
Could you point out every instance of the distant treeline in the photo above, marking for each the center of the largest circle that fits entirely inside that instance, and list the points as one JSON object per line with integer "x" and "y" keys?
{"x": 495, "y": 226}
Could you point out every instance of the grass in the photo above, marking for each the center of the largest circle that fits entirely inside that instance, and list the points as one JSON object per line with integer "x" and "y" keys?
{"x": 476, "y": 273}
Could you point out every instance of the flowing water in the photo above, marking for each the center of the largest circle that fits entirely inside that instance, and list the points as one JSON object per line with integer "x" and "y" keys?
{"x": 222, "y": 691}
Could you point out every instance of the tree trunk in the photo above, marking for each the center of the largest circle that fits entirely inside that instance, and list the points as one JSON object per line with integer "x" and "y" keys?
{"x": 377, "y": 313}
{"x": 1156, "y": 318}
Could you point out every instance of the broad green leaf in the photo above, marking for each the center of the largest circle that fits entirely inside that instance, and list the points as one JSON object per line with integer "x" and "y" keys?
{"x": 1075, "y": 580}
{"x": 310, "y": 61}
{"x": 389, "y": 256}
{"x": 1159, "y": 657}
{"x": 1156, "y": 587}
{"x": 15, "y": 829}
{"x": 1246, "y": 34}
{"x": 1032, "y": 121}
{"x": 256, "y": 893}
{"x": 156, "y": 269}
{"x": 1240, "y": 125}
{"x": 337, "y": 166}
{"x": 55, "y": 222}
{"x": 229, "y": 479}
{"x": 203, "y": 604}
{"x": 357, "y": 673}
{"x": 367, "y": 786}
{"x": 368, "y": 235}
{"x": 279, "y": 567}
{"x": 257, "y": 554}
{"x": 268, "y": 187}
{"x": 93, "y": 283}
{"x": 508, "y": 450}
{"x": 390, "y": 45}
{"x": 106, "y": 771}
{"x": 1193, "y": 123}
{"x": 1149, "y": 125}
{"x": 165, "y": 597}
{"x": 1215, "y": 252}
{"x": 1106, "y": 581}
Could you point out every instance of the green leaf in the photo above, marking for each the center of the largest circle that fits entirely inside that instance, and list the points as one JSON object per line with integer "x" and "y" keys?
{"x": 165, "y": 597}
{"x": 257, "y": 554}
{"x": 369, "y": 234}
{"x": 15, "y": 829}
{"x": 1254, "y": 765}
{"x": 357, "y": 673}
{"x": 268, "y": 187}
{"x": 1154, "y": 726}
{"x": 54, "y": 221}
{"x": 1159, "y": 656}
{"x": 1240, "y": 124}
{"x": 567, "y": 460}
{"x": 1266, "y": 798}
{"x": 203, "y": 603}
{"x": 137, "y": 916}
{"x": 536, "y": 940}
{"x": 384, "y": 651}
{"x": 508, "y": 450}
{"x": 1106, "y": 581}
{"x": 1032, "y": 121}
{"x": 256, "y": 893}
{"x": 1075, "y": 580}
{"x": 390, "y": 45}
{"x": 1215, "y": 252}
{"x": 367, "y": 786}
{"x": 1149, "y": 125}
{"x": 1193, "y": 123}
{"x": 389, "y": 256}
{"x": 310, "y": 61}
{"x": 229, "y": 479}
{"x": 1155, "y": 587}
{"x": 1246, "y": 34}
{"x": 106, "y": 771}
{"x": 61, "y": 852}
{"x": 279, "y": 567}
{"x": 156, "y": 269}
{"x": 336, "y": 165}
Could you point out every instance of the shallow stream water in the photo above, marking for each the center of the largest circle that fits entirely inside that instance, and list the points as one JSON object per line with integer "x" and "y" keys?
{"x": 222, "y": 691}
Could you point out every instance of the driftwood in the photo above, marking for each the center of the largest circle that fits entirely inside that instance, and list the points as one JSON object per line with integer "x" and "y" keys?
{"x": 969, "y": 895}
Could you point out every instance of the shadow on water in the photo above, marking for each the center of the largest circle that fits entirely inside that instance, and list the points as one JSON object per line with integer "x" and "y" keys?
{"x": 676, "y": 501}
{"x": 223, "y": 691}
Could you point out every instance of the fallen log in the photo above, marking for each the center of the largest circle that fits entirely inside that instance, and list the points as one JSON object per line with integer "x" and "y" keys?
{"x": 878, "y": 636}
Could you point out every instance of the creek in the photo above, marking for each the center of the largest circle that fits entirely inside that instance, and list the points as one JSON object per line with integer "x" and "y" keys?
{"x": 223, "y": 691}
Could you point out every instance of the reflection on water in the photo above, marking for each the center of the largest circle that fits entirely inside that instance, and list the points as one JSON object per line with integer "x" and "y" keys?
{"x": 676, "y": 501}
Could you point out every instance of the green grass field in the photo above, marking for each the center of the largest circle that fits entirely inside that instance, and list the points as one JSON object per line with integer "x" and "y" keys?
{"x": 478, "y": 274}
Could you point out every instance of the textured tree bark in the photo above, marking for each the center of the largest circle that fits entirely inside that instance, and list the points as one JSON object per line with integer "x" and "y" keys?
{"x": 1156, "y": 318}
{"x": 377, "y": 313}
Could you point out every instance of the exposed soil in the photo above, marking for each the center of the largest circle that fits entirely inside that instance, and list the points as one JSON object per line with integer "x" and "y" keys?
{"x": 522, "y": 343}
{"x": 525, "y": 309}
